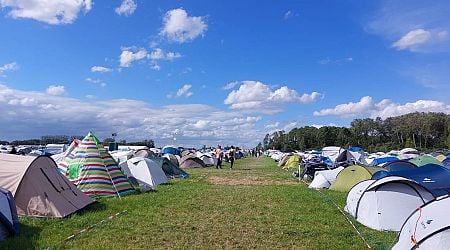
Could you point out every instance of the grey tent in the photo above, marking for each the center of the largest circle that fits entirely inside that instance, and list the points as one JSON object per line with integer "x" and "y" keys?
{"x": 428, "y": 227}
{"x": 144, "y": 152}
{"x": 38, "y": 188}
{"x": 190, "y": 161}
{"x": 385, "y": 204}
{"x": 9, "y": 221}
{"x": 171, "y": 170}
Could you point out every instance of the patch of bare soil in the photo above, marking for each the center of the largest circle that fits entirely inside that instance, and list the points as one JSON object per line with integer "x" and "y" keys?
{"x": 248, "y": 181}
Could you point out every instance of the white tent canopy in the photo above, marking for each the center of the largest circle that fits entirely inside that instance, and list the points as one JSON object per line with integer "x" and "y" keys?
{"x": 325, "y": 178}
{"x": 427, "y": 228}
{"x": 145, "y": 171}
{"x": 385, "y": 204}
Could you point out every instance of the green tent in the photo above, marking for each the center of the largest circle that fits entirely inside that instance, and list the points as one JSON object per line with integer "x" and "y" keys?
{"x": 293, "y": 161}
{"x": 424, "y": 160}
{"x": 351, "y": 176}
{"x": 284, "y": 159}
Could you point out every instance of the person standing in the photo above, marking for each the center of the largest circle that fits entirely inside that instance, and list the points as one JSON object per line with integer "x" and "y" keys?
{"x": 231, "y": 155}
{"x": 219, "y": 155}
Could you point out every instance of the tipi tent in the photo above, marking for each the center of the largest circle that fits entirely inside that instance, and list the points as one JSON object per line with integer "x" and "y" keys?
{"x": 147, "y": 173}
{"x": 351, "y": 175}
{"x": 171, "y": 170}
{"x": 428, "y": 227}
{"x": 92, "y": 169}
{"x": 9, "y": 221}
{"x": 38, "y": 188}
{"x": 324, "y": 178}
{"x": 386, "y": 203}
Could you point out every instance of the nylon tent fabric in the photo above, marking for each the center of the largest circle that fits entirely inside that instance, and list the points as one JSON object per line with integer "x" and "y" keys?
{"x": 293, "y": 161}
{"x": 144, "y": 152}
{"x": 446, "y": 163}
{"x": 380, "y": 161}
{"x": 147, "y": 173}
{"x": 386, "y": 203}
{"x": 325, "y": 178}
{"x": 351, "y": 175}
{"x": 434, "y": 177}
{"x": 38, "y": 188}
{"x": 428, "y": 227}
{"x": 9, "y": 221}
{"x": 424, "y": 160}
{"x": 170, "y": 150}
{"x": 284, "y": 159}
{"x": 190, "y": 161}
{"x": 399, "y": 166}
{"x": 440, "y": 157}
{"x": 172, "y": 158}
{"x": 171, "y": 170}
{"x": 93, "y": 170}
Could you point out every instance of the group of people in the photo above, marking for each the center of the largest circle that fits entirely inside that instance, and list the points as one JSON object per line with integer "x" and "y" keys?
{"x": 221, "y": 156}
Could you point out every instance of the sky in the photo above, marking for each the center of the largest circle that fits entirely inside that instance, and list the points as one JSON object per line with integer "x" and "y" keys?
{"x": 216, "y": 72}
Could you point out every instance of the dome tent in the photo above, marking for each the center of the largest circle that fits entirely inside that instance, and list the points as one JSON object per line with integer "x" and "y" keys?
{"x": 147, "y": 173}
{"x": 351, "y": 175}
{"x": 38, "y": 188}
{"x": 9, "y": 221}
{"x": 93, "y": 170}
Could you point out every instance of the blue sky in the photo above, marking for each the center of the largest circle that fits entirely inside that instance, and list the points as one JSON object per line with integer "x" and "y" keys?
{"x": 216, "y": 71}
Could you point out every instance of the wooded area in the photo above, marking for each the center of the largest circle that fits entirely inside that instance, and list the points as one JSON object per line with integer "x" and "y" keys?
{"x": 423, "y": 131}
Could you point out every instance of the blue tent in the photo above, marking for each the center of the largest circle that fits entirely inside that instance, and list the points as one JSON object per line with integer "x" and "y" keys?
{"x": 434, "y": 177}
{"x": 9, "y": 221}
{"x": 381, "y": 160}
{"x": 170, "y": 150}
{"x": 399, "y": 165}
{"x": 446, "y": 163}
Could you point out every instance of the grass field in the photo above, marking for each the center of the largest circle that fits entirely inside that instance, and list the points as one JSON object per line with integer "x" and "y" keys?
{"x": 256, "y": 205}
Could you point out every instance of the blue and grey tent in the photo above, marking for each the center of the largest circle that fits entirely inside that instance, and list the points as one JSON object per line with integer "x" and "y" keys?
{"x": 9, "y": 221}
{"x": 170, "y": 150}
{"x": 434, "y": 177}
{"x": 383, "y": 160}
{"x": 399, "y": 165}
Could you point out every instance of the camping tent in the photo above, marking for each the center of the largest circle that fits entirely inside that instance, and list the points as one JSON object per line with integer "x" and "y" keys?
{"x": 144, "y": 152}
{"x": 424, "y": 160}
{"x": 171, "y": 170}
{"x": 190, "y": 161}
{"x": 172, "y": 158}
{"x": 398, "y": 165}
{"x": 170, "y": 150}
{"x": 348, "y": 157}
{"x": 331, "y": 152}
{"x": 92, "y": 169}
{"x": 386, "y": 203}
{"x": 284, "y": 159}
{"x": 147, "y": 173}
{"x": 292, "y": 162}
{"x": 434, "y": 177}
{"x": 208, "y": 159}
{"x": 382, "y": 160}
{"x": 38, "y": 188}
{"x": 351, "y": 175}
{"x": 324, "y": 178}
{"x": 428, "y": 227}
{"x": 9, "y": 221}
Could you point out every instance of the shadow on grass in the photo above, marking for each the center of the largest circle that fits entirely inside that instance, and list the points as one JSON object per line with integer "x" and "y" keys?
{"x": 25, "y": 240}
{"x": 93, "y": 207}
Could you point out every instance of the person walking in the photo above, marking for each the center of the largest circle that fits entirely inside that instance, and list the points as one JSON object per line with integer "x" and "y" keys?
{"x": 231, "y": 155}
{"x": 219, "y": 155}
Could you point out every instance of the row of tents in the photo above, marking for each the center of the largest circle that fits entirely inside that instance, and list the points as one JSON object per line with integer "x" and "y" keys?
{"x": 388, "y": 192}
{"x": 57, "y": 186}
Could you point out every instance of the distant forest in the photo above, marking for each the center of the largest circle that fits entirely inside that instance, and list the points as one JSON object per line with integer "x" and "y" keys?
{"x": 423, "y": 131}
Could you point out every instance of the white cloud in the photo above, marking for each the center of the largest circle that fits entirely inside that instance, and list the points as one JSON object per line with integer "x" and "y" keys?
{"x": 231, "y": 85}
{"x": 197, "y": 124}
{"x": 287, "y": 15}
{"x": 159, "y": 54}
{"x": 412, "y": 39}
{"x": 385, "y": 108}
{"x": 128, "y": 56}
{"x": 48, "y": 11}
{"x": 179, "y": 27}
{"x": 272, "y": 125}
{"x": 338, "y": 61}
{"x": 100, "y": 69}
{"x": 254, "y": 96}
{"x": 8, "y": 67}
{"x": 184, "y": 91}
{"x": 126, "y": 8}
{"x": 96, "y": 81}
{"x": 55, "y": 90}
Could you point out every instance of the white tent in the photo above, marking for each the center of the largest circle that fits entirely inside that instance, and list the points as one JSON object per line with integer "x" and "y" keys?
{"x": 427, "y": 228}
{"x": 207, "y": 158}
{"x": 324, "y": 178}
{"x": 147, "y": 173}
{"x": 331, "y": 152}
{"x": 386, "y": 203}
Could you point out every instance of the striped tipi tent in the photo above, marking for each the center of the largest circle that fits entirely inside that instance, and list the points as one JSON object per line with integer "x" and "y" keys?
{"x": 92, "y": 169}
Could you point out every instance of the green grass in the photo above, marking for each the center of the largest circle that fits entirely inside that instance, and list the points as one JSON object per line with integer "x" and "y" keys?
{"x": 256, "y": 205}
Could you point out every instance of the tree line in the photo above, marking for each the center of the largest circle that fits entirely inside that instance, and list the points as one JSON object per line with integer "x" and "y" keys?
{"x": 423, "y": 131}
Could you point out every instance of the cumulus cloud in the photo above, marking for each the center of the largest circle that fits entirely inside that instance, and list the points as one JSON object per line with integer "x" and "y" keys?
{"x": 100, "y": 69}
{"x": 197, "y": 124}
{"x": 184, "y": 91}
{"x": 96, "y": 81}
{"x": 128, "y": 56}
{"x": 48, "y": 11}
{"x": 231, "y": 85}
{"x": 179, "y": 27}
{"x": 8, "y": 67}
{"x": 126, "y": 8}
{"x": 159, "y": 54}
{"x": 412, "y": 39}
{"x": 385, "y": 108}
{"x": 288, "y": 14}
{"x": 254, "y": 96}
{"x": 55, "y": 90}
